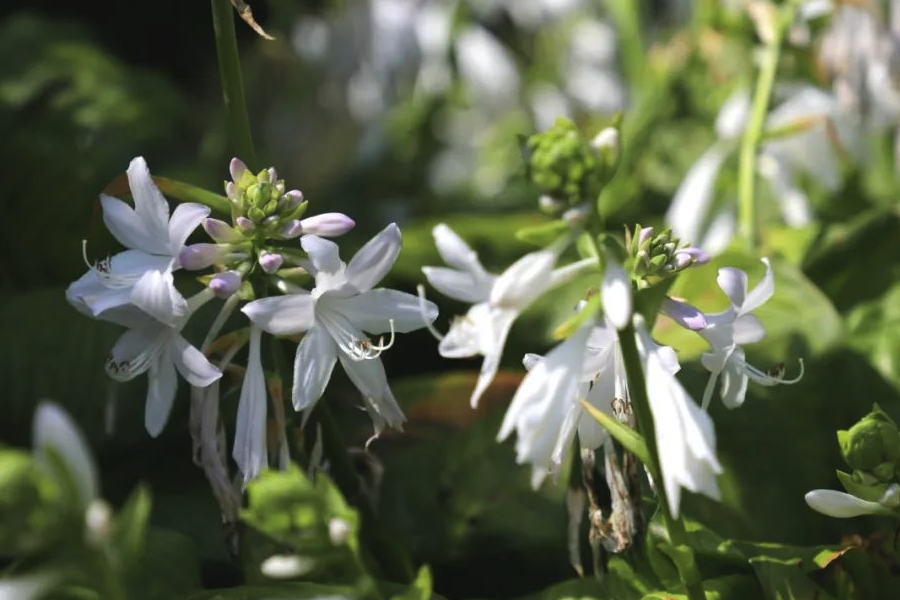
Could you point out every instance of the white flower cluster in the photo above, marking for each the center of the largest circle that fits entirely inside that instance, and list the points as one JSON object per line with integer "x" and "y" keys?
{"x": 136, "y": 289}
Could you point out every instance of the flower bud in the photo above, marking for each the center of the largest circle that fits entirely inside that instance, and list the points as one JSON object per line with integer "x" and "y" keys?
{"x": 237, "y": 168}
{"x": 221, "y": 231}
{"x": 225, "y": 284}
{"x": 245, "y": 223}
{"x": 871, "y": 443}
{"x": 270, "y": 261}
{"x": 327, "y": 224}
{"x": 200, "y": 256}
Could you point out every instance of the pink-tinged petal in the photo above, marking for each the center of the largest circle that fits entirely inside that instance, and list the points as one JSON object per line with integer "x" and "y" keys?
{"x": 460, "y": 285}
{"x": 684, "y": 314}
{"x": 162, "y": 383}
{"x": 221, "y": 231}
{"x": 270, "y": 261}
{"x": 135, "y": 351}
{"x": 842, "y": 505}
{"x": 762, "y": 292}
{"x": 54, "y": 429}
{"x": 191, "y": 363}
{"x": 282, "y": 315}
{"x": 185, "y": 219}
{"x": 224, "y": 285}
{"x": 200, "y": 256}
{"x": 748, "y": 329}
{"x": 327, "y": 224}
{"x": 155, "y": 294}
{"x": 250, "y": 430}
{"x": 149, "y": 204}
{"x": 375, "y": 259}
{"x": 372, "y": 311}
{"x": 237, "y": 168}
{"x": 323, "y": 254}
{"x": 455, "y": 251}
{"x": 734, "y": 283}
{"x": 369, "y": 377}
{"x": 313, "y": 364}
{"x": 127, "y": 227}
{"x": 616, "y": 293}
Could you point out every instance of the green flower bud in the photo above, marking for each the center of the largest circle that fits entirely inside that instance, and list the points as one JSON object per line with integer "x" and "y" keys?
{"x": 255, "y": 214}
{"x": 871, "y": 443}
{"x": 564, "y": 165}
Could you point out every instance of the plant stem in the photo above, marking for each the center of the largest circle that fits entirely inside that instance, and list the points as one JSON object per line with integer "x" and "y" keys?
{"x": 754, "y": 131}
{"x": 232, "y": 81}
{"x": 640, "y": 403}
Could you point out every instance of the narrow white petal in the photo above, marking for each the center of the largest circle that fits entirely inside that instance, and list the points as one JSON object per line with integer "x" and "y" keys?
{"x": 313, "y": 365}
{"x": 162, "y": 383}
{"x": 369, "y": 377}
{"x": 191, "y": 363}
{"x": 748, "y": 329}
{"x": 459, "y": 285}
{"x": 842, "y": 505}
{"x": 55, "y": 430}
{"x": 283, "y": 315}
{"x": 127, "y": 227}
{"x": 323, "y": 254}
{"x": 155, "y": 294}
{"x": 492, "y": 340}
{"x": 616, "y": 293}
{"x": 733, "y": 115}
{"x": 694, "y": 197}
{"x": 734, "y": 381}
{"x": 185, "y": 220}
{"x": 524, "y": 281}
{"x": 761, "y": 292}
{"x": 135, "y": 351}
{"x": 149, "y": 204}
{"x": 250, "y": 431}
{"x": 455, "y": 251}
{"x": 734, "y": 283}
{"x": 372, "y": 311}
{"x": 375, "y": 259}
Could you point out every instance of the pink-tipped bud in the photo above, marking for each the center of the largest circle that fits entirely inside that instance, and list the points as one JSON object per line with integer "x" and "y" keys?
{"x": 292, "y": 229}
{"x": 231, "y": 190}
{"x": 270, "y": 261}
{"x": 293, "y": 199}
{"x": 327, "y": 224}
{"x": 200, "y": 256}
{"x": 245, "y": 223}
{"x": 682, "y": 260}
{"x": 699, "y": 256}
{"x": 273, "y": 175}
{"x": 225, "y": 284}
{"x": 237, "y": 169}
{"x": 644, "y": 235}
{"x": 221, "y": 231}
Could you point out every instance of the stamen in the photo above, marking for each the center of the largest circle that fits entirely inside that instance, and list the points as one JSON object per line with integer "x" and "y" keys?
{"x": 103, "y": 269}
{"x": 365, "y": 350}
{"x": 764, "y": 378}
{"x": 428, "y": 325}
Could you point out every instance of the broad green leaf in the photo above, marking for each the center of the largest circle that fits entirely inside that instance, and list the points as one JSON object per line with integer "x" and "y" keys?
{"x": 784, "y": 580}
{"x": 625, "y": 435}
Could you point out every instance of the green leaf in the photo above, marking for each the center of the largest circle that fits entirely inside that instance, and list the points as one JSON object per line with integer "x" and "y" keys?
{"x": 420, "y": 588}
{"x": 130, "y": 532}
{"x": 572, "y": 324}
{"x": 625, "y": 435}
{"x": 784, "y": 580}
{"x": 292, "y": 590}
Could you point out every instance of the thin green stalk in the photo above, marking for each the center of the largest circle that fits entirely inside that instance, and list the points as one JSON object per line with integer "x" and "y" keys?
{"x": 644, "y": 418}
{"x": 753, "y": 133}
{"x": 232, "y": 81}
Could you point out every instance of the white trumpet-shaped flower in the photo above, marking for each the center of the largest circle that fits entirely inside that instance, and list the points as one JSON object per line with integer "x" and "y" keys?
{"x": 497, "y": 300}
{"x": 334, "y": 315}
{"x": 141, "y": 275}
{"x": 727, "y": 331}
{"x": 685, "y": 437}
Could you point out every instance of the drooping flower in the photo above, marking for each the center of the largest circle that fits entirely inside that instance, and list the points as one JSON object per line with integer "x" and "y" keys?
{"x": 497, "y": 300}
{"x": 727, "y": 331}
{"x": 141, "y": 275}
{"x": 334, "y": 315}
{"x": 159, "y": 350}
{"x": 685, "y": 437}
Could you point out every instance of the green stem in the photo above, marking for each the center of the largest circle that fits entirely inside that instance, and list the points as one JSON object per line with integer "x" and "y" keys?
{"x": 640, "y": 403}
{"x": 754, "y": 131}
{"x": 232, "y": 81}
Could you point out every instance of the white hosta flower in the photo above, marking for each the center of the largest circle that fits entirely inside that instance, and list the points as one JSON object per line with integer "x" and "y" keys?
{"x": 496, "y": 300}
{"x": 141, "y": 275}
{"x": 159, "y": 350}
{"x": 727, "y": 331}
{"x": 250, "y": 450}
{"x": 334, "y": 316}
{"x": 842, "y": 505}
{"x": 685, "y": 438}
{"x": 546, "y": 410}
{"x": 616, "y": 293}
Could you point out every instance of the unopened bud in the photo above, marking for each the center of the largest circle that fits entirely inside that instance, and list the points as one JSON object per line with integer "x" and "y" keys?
{"x": 245, "y": 223}
{"x": 200, "y": 256}
{"x": 221, "y": 231}
{"x": 270, "y": 261}
{"x": 327, "y": 224}
{"x": 237, "y": 169}
{"x": 225, "y": 284}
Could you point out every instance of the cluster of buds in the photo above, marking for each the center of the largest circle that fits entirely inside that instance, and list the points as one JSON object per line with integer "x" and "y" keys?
{"x": 872, "y": 449}
{"x": 567, "y": 168}
{"x": 652, "y": 258}
{"x": 263, "y": 214}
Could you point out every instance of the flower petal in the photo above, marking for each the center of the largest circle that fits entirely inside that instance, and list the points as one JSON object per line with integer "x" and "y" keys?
{"x": 842, "y": 505}
{"x": 149, "y": 204}
{"x": 250, "y": 431}
{"x": 369, "y": 377}
{"x": 748, "y": 329}
{"x": 126, "y": 226}
{"x": 459, "y": 285}
{"x": 492, "y": 339}
{"x": 162, "y": 383}
{"x": 54, "y": 429}
{"x": 375, "y": 259}
{"x": 762, "y": 292}
{"x": 524, "y": 280}
{"x": 185, "y": 220}
{"x": 155, "y": 294}
{"x": 455, "y": 251}
{"x": 734, "y": 381}
{"x": 323, "y": 254}
{"x": 191, "y": 363}
{"x": 693, "y": 199}
{"x": 684, "y": 314}
{"x": 283, "y": 315}
{"x": 616, "y": 293}
{"x": 372, "y": 311}
{"x": 313, "y": 365}
{"x": 135, "y": 351}
{"x": 734, "y": 283}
